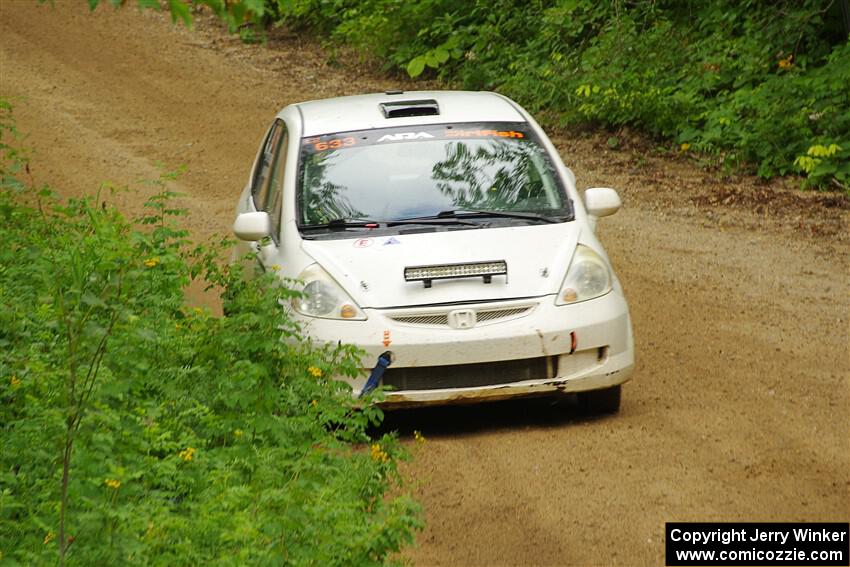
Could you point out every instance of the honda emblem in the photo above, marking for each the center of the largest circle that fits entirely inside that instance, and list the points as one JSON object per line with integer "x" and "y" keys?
{"x": 462, "y": 319}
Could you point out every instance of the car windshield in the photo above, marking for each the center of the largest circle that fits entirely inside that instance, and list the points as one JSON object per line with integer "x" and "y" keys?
{"x": 458, "y": 171}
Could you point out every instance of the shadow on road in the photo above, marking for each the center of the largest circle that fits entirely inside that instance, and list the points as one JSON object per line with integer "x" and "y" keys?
{"x": 493, "y": 416}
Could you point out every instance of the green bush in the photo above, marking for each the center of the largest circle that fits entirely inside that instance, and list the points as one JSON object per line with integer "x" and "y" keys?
{"x": 137, "y": 430}
{"x": 753, "y": 84}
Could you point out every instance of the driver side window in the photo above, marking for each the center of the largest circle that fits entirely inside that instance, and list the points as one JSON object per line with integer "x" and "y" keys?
{"x": 267, "y": 187}
{"x": 262, "y": 175}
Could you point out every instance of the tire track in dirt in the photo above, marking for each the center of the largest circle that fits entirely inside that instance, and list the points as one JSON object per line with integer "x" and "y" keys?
{"x": 740, "y": 405}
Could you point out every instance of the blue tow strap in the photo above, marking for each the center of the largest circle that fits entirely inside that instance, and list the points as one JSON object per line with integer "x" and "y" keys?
{"x": 384, "y": 360}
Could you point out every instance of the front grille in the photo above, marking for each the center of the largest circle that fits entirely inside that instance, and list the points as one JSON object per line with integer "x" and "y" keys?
{"x": 498, "y": 314}
{"x": 440, "y": 319}
{"x": 484, "y": 316}
{"x": 471, "y": 375}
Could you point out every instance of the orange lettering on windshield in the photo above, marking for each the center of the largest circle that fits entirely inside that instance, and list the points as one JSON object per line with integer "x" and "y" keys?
{"x": 483, "y": 134}
{"x": 334, "y": 144}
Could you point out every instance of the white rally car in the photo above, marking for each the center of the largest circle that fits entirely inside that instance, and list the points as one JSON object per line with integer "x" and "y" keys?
{"x": 441, "y": 233}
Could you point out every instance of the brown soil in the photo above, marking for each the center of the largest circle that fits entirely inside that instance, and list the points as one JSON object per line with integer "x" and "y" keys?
{"x": 740, "y": 405}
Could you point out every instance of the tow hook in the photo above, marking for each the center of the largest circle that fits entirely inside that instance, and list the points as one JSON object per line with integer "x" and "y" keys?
{"x": 384, "y": 360}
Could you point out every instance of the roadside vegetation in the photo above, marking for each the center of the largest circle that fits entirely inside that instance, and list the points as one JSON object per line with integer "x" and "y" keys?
{"x": 136, "y": 430}
{"x": 747, "y": 86}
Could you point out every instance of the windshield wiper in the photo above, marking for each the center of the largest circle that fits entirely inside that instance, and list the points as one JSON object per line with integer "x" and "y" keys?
{"x": 458, "y": 213}
{"x": 431, "y": 220}
{"x": 342, "y": 224}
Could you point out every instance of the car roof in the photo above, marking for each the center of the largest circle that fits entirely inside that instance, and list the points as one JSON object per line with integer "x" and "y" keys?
{"x": 364, "y": 112}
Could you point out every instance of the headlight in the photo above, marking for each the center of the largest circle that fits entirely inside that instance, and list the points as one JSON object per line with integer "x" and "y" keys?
{"x": 323, "y": 297}
{"x": 588, "y": 277}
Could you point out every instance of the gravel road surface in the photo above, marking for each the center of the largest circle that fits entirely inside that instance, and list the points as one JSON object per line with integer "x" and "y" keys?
{"x": 739, "y": 408}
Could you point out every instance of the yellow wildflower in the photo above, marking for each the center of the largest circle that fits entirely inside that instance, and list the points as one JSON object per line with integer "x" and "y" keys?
{"x": 314, "y": 372}
{"x": 152, "y": 261}
{"x": 275, "y": 267}
{"x": 187, "y": 454}
{"x": 49, "y": 537}
{"x": 112, "y": 483}
{"x": 684, "y": 147}
{"x": 378, "y": 454}
{"x": 787, "y": 63}
{"x": 238, "y": 433}
{"x": 314, "y": 403}
{"x": 418, "y": 436}
{"x": 15, "y": 381}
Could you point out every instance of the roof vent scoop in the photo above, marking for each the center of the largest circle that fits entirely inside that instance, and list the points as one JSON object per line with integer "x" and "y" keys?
{"x": 405, "y": 108}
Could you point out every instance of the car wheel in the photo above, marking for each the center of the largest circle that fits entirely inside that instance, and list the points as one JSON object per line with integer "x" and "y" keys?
{"x": 600, "y": 402}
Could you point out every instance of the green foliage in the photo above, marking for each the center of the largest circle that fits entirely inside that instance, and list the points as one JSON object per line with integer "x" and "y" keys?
{"x": 137, "y": 430}
{"x": 237, "y": 14}
{"x": 752, "y": 84}
{"x": 824, "y": 163}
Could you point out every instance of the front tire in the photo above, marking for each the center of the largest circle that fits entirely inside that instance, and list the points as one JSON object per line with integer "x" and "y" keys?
{"x": 600, "y": 402}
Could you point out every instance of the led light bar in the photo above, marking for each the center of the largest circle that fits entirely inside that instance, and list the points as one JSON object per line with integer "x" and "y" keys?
{"x": 427, "y": 274}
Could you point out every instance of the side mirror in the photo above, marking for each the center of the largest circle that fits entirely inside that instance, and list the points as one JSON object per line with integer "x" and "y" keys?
{"x": 252, "y": 226}
{"x": 601, "y": 201}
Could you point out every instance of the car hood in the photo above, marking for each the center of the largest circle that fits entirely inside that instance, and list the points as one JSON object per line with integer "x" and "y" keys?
{"x": 371, "y": 269}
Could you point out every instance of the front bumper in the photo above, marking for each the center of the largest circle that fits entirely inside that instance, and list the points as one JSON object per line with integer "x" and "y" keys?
{"x": 587, "y": 346}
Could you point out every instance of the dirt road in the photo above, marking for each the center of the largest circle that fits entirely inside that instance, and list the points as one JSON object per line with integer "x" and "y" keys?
{"x": 740, "y": 405}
